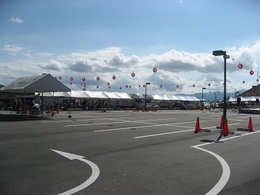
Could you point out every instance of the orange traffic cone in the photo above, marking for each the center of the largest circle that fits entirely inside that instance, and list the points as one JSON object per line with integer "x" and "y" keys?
{"x": 225, "y": 131}
{"x": 197, "y": 127}
{"x": 221, "y": 123}
{"x": 250, "y": 124}
{"x": 249, "y": 127}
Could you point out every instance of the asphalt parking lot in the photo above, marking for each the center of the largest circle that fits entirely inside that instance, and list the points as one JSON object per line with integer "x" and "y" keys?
{"x": 125, "y": 152}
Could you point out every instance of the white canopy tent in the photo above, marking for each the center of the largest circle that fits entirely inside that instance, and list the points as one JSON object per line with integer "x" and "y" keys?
{"x": 123, "y": 95}
{"x": 245, "y": 99}
{"x": 112, "y": 95}
{"x": 97, "y": 94}
{"x": 40, "y": 83}
{"x": 79, "y": 94}
{"x": 55, "y": 94}
{"x": 175, "y": 97}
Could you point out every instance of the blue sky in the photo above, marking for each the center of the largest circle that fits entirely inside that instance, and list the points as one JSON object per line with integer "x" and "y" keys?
{"x": 90, "y": 38}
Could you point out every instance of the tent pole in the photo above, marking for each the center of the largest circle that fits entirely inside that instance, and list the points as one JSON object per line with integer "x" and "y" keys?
{"x": 52, "y": 110}
{"x": 42, "y": 103}
{"x": 69, "y": 116}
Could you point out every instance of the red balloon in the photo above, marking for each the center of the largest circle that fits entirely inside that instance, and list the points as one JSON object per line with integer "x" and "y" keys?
{"x": 193, "y": 85}
{"x": 209, "y": 84}
{"x": 97, "y": 86}
{"x": 60, "y": 77}
{"x": 108, "y": 83}
{"x": 70, "y": 83}
{"x": 71, "y": 78}
{"x": 177, "y": 86}
{"x": 139, "y": 86}
{"x": 161, "y": 86}
{"x": 120, "y": 87}
{"x": 251, "y": 72}
{"x": 113, "y": 77}
{"x": 243, "y": 81}
{"x": 133, "y": 74}
{"x": 154, "y": 69}
{"x": 240, "y": 66}
{"x": 97, "y": 78}
{"x": 126, "y": 86}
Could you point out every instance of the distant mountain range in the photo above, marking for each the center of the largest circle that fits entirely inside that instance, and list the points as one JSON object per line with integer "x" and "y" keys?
{"x": 212, "y": 96}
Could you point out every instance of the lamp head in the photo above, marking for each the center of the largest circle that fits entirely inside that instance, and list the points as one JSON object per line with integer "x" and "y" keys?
{"x": 219, "y": 53}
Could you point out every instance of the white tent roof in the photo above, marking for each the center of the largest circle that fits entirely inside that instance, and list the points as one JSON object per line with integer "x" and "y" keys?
{"x": 173, "y": 97}
{"x": 56, "y": 94}
{"x": 61, "y": 94}
{"x": 97, "y": 94}
{"x": 157, "y": 97}
{"x": 111, "y": 95}
{"x": 165, "y": 97}
{"x": 161, "y": 97}
{"x": 39, "y": 83}
{"x": 245, "y": 99}
{"x": 79, "y": 94}
{"x": 136, "y": 95}
{"x": 46, "y": 94}
{"x": 123, "y": 95}
{"x": 191, "y": 98}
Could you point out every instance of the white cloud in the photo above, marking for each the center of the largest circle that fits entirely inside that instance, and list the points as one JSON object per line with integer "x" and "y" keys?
{"x": 174, "y": 68}
{"x": 16, "y": 20}
{"x": 12, "y": 49}
{"x": 53, "y": 65}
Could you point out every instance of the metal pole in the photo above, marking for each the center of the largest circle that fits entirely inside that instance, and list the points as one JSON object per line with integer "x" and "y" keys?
{"x": 225, "y": 88}
{"x": 202, "y": 94}
{"x": 69, "y": 116}
{"x": 145, "y": 97}
{"x": 225, "y": 56}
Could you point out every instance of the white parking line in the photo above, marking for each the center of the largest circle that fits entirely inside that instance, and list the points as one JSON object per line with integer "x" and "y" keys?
{"x": 174, "y": 132}
{"x": 160, "y": 134}
{"x": 123, "y": 128}
{"x": 168, "y": 133}
{"x": 94, "y": 124}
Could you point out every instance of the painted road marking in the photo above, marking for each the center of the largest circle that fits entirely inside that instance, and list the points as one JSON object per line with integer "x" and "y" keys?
{"x": 160, "y": 134}
{"x": 168, "y": 133}
{"x": 225, "y": 172}
{"x": 225, "y": 167}
{"x": 118, "y": 121}
{"x": 89, "y": 181}
{"x": 174, "y": 132}
{"x": 94, "y": 124}
{"x": 124, "y": 128}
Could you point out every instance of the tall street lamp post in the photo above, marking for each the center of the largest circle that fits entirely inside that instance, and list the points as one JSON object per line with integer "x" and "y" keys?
{"x": 145, "y": 94}
{"x": 225, "y": 56}
{"x": 202, "y": 93}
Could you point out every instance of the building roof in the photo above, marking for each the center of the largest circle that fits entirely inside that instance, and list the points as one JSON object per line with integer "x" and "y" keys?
{"x": 254, "y": 91}
{"x": 38, "y": 83}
